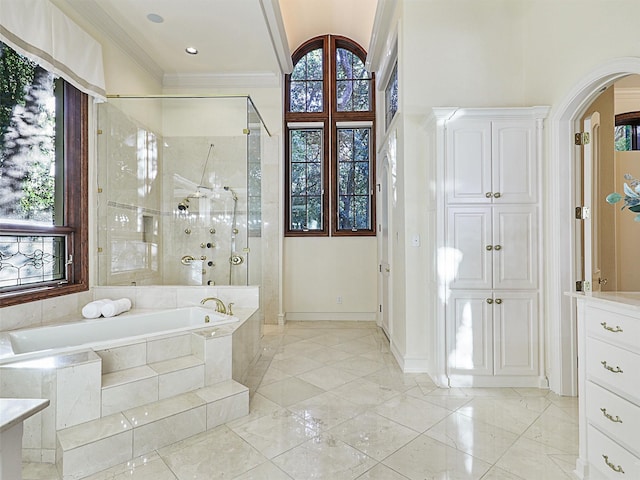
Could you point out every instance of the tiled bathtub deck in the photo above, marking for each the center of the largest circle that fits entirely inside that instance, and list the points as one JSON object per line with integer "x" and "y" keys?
{"x": 331, "y": 403}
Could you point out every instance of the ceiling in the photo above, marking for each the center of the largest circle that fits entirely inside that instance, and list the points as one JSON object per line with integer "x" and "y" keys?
{"x": 234, "y": 38}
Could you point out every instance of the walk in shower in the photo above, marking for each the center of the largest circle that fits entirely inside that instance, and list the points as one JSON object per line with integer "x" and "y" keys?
{"x": 179, "y": 190}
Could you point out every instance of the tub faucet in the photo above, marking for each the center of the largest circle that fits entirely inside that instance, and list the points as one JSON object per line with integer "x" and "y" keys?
{"x": 219, "y": 304}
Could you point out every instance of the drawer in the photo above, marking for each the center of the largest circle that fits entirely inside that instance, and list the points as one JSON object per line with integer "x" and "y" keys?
{"x": 609, "y": 458}
{"x": 612, "y": 327}
{"x": 614, "y": 415}
{"x": 613, "y": 367}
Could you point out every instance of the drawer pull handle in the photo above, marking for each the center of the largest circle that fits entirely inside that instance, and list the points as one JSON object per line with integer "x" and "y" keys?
{"x": 615, "y": 329}
{"x": 617, "y": 469}
{"x": 610, "y": 417}
{"x": 611, "y": 369}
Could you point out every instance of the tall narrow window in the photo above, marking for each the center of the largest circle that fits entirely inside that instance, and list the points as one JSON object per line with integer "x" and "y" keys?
{"x": 329, "y": 114}
{"x": 43, "y": 182}
{"x": 391, "y": 96}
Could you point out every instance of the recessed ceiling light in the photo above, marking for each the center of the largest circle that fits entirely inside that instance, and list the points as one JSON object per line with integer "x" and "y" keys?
{"x": 155, "y": 18}
{"x": 191, "y": 50}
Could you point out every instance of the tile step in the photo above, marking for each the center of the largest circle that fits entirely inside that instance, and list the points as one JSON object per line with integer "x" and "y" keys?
{"x": 99, "y": 444}
{"x": 143, "y": 372}
{"x": 137, "y": 386}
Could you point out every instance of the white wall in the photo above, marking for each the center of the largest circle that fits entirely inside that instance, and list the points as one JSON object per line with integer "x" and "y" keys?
{"x": 493, "y": 53}
{"x": 318, "y": 270}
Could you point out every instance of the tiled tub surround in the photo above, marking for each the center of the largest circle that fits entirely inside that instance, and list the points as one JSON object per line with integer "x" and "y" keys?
{"x": 113, "y": 403}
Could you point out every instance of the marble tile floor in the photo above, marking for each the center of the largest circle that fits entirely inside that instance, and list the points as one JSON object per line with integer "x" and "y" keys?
{"x": 329, "y": 402}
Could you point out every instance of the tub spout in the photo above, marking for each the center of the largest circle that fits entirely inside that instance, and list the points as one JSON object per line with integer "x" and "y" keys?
{"x": 219, "y": 304}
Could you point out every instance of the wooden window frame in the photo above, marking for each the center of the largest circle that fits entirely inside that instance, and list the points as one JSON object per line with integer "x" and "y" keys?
{"x": 330, "y": 117}
{"x": 75, "y": 207}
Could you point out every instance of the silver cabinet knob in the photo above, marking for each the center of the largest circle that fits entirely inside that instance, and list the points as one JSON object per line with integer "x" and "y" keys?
{"x": 489, "y": 247}
{"x": 497, "y": 247}
{"x": 497, "y": 195}
{"x": 488, "y": 194}
{"x": 489, "y": 301}
{"x": 498, "y": 301}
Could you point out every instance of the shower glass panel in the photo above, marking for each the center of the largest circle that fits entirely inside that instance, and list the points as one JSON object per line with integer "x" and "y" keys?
{"x": 179, "y": 191}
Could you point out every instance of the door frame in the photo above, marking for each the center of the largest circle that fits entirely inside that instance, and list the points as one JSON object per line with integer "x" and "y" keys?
{"x": 561, "y": 247}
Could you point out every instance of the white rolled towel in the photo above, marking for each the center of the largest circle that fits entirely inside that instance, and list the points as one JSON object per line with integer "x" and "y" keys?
{"x": 94, "y": 309}
{"x": 116, "y": 307}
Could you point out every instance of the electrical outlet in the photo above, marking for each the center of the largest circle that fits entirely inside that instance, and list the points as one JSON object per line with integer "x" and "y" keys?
{"x": 339, "y": 300}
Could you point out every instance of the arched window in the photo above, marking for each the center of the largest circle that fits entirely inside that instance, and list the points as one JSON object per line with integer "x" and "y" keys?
{"x": 330, "y": 125}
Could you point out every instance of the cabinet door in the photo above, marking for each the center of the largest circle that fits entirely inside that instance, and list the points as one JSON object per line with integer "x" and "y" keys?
{"x": 515, "y": 247}
{"x": 514, "y": 161}
{"x": 468, "y": 262}
{"x": 469, "y": 333}
{"x": 468, "y": 161}
{"x": 515, "y": 333}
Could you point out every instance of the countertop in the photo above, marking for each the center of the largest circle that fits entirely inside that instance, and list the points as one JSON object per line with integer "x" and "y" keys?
{"x": 627, "y": 299}
{"x": 16, "y": 410}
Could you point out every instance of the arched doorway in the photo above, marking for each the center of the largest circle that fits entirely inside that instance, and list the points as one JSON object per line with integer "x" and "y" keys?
{"x": 561, "y": 248}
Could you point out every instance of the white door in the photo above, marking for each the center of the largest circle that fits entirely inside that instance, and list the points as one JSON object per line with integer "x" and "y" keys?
{"x": 515, "y": 247}
{"x": 515, "y": 333}
{"x": 470, "y": 332}
{"x": 468, "y": 169}
{"x": 591, "y": 160}
{"x": 384, "y": 254}
{"x": 514, "y": 165}
{"x": 469, "y": 239}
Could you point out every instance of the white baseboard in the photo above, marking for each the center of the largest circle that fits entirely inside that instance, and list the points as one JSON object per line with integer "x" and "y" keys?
{"x": 331, "y": 316}
{"x": 409, "y": 364}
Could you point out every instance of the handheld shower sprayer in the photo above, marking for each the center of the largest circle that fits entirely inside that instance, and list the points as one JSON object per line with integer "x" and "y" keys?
{"x": 233, "y": 194}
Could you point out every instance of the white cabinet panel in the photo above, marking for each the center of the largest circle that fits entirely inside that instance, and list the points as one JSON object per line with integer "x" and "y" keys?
{"x": 515, "y": 339}
{"x": 470, "y": 333}
{"x": 514, "y": 164}
{"x": 468, "y": 177}
{"x": 468, "y": 235}
{"x": 492, "y": 161}
{"x": 515, "y": 250}
{"x": 493, "y": 247}
{"x": 492, "y": 333}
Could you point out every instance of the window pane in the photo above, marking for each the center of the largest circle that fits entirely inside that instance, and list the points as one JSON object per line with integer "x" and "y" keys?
{"x": 391, "y": 96}
{"x": 353, "y": 84}
{"x": 306, "y": 182}
{"x": 361, "y": 95}
{"x": 306, "y": 83}
{"x": 344, "y": 94}
{"x": 623, "y": 137}
{"x": 354, "y": 181}
{"x": 297, "y": 96}
{"x": 26, "y": 259}
{"x": 27, "y": 140}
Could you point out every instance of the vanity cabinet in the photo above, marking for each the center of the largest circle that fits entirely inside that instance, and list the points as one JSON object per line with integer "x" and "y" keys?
{"x": 609, "y": 391}
{"x": 491, "y": 244}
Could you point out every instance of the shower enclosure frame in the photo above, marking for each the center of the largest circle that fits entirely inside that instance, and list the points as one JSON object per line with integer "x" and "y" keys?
{"x": 138, "y": 136}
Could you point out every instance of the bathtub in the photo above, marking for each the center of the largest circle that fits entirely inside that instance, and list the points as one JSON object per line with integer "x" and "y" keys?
{"x": 122, "y": 328}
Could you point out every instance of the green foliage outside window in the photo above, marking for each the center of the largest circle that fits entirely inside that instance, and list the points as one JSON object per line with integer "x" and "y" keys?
{"x": 27, "y": 139}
